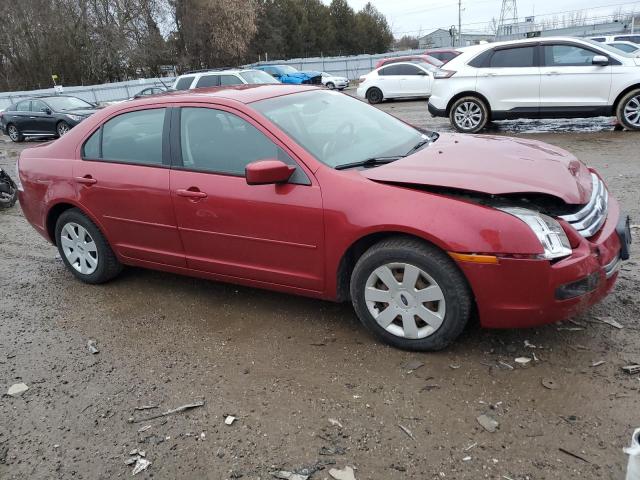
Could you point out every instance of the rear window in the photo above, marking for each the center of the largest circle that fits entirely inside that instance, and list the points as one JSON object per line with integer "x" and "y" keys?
{"x": 629, "y": 38}
{"x": 443, "y": 56}
{"x": 184, "y": 83}
{"x": 230, "y": 80}
{"x": 208, "y": 81}
{"x": 513, "y": 57}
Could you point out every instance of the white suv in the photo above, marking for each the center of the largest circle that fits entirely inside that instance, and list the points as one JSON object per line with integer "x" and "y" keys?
{"x": 217, "y": 78}
{"x": 537, "y": 78}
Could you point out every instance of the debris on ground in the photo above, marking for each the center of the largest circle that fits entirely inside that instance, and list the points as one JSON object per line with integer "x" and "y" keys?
{"x": 429, "y": 387}
{"x": 346, "y": 473}
{"x": 597, "y": 364}
{"x": 631, "y": 369}
{"x": 284, "y": 475}
{"x": 470, "y": 446}
{"x": 412, "y": 365}
{"x": 92, "y": 347}
{"x": 490, "y": 424}
{"x": 550, "y": 383}
{"x": 523, "y": 361}
{"x": 17, "y": 389}
{"x": 335, "y": 450}
{"x": 610, "y": 321}
{"x": 633, "y": 467}
{"x": 144, "y": 429}
{"x": 141, "y": 465}
{"x": 181, "y": 409}
{"x": 466, "y": 459}
{"x": 528, "y": 344}
{"x": 506, "y": 365}
{"x": 408, "y": 432}
{"x": 147, "y": 407}
{"x": 335, "y": 422}
{"x": 229, "y": 420}
{"x": 454, "y": 366}
{"x": 574, "y": 455}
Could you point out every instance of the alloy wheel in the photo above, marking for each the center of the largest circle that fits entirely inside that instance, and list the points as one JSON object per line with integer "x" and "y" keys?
{"x": 63, "y": 128}
{"x": 468, "y": 115}
{"x": 405, "y": 300}
{"x": 632, "y": 111}
{"x": 79, "y": 248}
{"x": 13, "y": 133}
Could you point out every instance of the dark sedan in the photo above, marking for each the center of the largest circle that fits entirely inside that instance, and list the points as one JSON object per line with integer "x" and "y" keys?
{"x": 44, "y": 116}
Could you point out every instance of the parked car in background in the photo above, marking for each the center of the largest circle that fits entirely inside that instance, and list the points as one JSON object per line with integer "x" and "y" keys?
{"x": 221, "y": 77}
{"x": 627, "y": 47}
{"x": 560, "y": 77}
{"x": 258, "y": 188}
{"x": 443, "y": 54}
{"x": 410, "y": 58}
{"x": 44, "y": 116}
{"x": 290, "y": 75}
{"x": 150, "y": 91}
{"x": 398, "y": 80}
{"x": 624, "y": 37}
{"x": 331, "y": 81}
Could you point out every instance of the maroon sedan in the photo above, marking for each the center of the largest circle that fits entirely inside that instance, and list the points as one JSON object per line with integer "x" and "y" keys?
{"x": 312, "y": 192}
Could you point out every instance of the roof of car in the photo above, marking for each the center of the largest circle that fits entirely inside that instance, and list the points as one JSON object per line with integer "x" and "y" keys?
{"x": 216, "y": 71}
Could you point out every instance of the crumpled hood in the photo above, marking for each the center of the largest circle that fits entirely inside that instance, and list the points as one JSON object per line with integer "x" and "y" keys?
{"x": 493, "y": 165}
{"x": 299, "y": 77}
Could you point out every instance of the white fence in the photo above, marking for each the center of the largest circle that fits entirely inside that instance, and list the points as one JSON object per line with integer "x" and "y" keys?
{"x": 106, "y": 92}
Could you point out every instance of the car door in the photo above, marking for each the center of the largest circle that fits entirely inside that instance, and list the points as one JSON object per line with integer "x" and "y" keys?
{"x": 416, "y": 82}
{"x": 390, "y": 80}
{"x": 510, "y": 80}
{"x": 122, "y": 178}
{"x": 21, "y": 117}
{"x": 41, "y": 119}
{"x": 271, "y": 234}
{"x": 570, "y": 82}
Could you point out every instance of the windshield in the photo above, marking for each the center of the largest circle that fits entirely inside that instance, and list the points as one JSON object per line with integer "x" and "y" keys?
{"x": 60, "y": 104}
{"x": 257, "y": 76}
{"x": 338, "y": 129}
{"x": 610, "y": 49}
{"x": 287, "y": 69}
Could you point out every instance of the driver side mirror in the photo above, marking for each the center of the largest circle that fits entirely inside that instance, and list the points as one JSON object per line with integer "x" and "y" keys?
{"x": 46, "y": 110}
{"x": 600, "y": 60}
{"x": 265, "y": 172}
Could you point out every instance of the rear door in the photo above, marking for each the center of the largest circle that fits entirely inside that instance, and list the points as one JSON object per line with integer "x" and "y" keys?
{"x": 510, "y": 80}
{"x": 123, "y": 180}
{"x": 390, "y": 80}
{"x": 267, "y": 233}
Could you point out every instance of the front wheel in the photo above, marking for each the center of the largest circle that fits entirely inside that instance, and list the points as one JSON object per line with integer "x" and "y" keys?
{"x": 14, "y": 134}
{"x": 374, "y": 95}
{"x": 84, "y": 249}
{"x": 62, "y": 128}
{"x": 410, "y": 294}
{"x": 469, "y": 115}
{"x": 330, "y": 85}
{"x": 628, "y": 111}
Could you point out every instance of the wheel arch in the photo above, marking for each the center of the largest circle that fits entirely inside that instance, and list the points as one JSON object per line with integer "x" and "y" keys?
{"x": 622, "y": 94}
{"x": 366, "y": 94}
{"x": 57, "y": 209}
{"x": 468, "y": 93}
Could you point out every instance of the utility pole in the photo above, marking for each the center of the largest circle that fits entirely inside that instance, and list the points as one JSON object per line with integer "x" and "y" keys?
{"x": 459, "y": 23}
{"x": 508, "y": 18}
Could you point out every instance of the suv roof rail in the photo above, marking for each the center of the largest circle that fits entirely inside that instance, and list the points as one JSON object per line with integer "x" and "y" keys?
{"x": 203, "y": 70}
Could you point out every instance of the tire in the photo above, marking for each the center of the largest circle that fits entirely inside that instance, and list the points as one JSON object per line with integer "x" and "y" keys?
{"x": 330, "y": 85}
{"x": 107, "y": 265}
{"x": 628, "y": 111}
{"x": 469, "y": 115}
{"x": 450, "y": 317}
{"x": 14, "y": 133}
{"x": 8, "y": 191}
{"x": 374, "y": 95}
{"x": 62, "y": 128}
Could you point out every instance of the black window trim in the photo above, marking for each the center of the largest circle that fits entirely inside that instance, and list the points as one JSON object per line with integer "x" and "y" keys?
{"x": 612, "y": 61}
{"x": 166, "y": 157}
{"x": 176, "y": 145}
{"x": 536, "y": 54}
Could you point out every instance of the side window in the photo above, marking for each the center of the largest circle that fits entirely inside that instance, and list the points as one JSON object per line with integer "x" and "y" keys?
{"x": 513, "y": 57}
{"x": 391, "y": 70}
{"x": 184, "y": 83}
{"x": 220, "y": 142}
{"x": 230, "y": 80}
{"x": 24, "y": 106}
{"x": 629, "y": 38}
{"x": 567, "y": 55}
{"x": 208, "y": 81}
{"x": 410, "y": 70}
{"x": 133, "y": 137}
{"x": 38, "y": 106}
{"x": 600, "y": 39}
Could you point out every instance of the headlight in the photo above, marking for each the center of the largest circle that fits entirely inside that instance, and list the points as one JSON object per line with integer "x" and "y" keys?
{"x": 549, "y": 232}
{"x": 75, "y": 118}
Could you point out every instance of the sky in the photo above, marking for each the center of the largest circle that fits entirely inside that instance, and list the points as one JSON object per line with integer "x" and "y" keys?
{"x": 412, "y": 17}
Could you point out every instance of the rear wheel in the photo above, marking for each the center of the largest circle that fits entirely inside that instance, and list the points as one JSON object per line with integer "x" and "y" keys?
{"x": 14, "y": 133}
{"x": 62, "y": 128}
{"x": 374, "y": 95}
{"x": 469, "y": 115}
{"x": 331, "y": 85}
{"x": 84, "y": 249}
{"x": 410, "y": 294}
{"x": 628, "y": 111}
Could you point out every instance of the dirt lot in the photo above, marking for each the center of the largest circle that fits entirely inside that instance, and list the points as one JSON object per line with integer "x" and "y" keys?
{"x": 285, "y": 366}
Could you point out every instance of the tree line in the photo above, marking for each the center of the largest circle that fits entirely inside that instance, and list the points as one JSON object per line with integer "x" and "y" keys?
{"x": 86, "y": 42}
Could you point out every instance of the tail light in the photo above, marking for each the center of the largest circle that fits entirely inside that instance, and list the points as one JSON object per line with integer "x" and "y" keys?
{"x": 444, "y": 73}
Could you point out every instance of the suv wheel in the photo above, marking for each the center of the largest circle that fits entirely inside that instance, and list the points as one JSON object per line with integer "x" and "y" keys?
{"x": 374, "y": 95}
{"x": 628, "y": 111}
{"x": 83, "y": 248}
{"x": 14, "y": 133}
{"x": 469, "y": 115}
{"x": 410, "y": 294}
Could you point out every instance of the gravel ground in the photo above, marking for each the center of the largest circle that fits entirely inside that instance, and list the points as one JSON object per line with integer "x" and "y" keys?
{"x": 309, "y": 387}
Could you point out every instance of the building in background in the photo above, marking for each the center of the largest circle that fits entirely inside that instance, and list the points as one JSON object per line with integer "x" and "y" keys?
{"x": 441, "y": 38}
{"x": 530, "y": 29}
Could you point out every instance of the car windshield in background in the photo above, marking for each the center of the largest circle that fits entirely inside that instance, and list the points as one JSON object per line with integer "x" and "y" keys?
{"x": 257, "y": 77}
{"x": 287, "y": 69}
{"x": 338, "y": 129}
{"x": 61, "y": 104}
{"x": 608, "y": 48}
{"x": 427, "y": 66}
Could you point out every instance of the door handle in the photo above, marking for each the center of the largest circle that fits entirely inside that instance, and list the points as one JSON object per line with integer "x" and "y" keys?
{"x": 192, "y": 192}
{"x": 553, "y": 73}
{"x": 86, "y": 180}
{"x": 490, "y": 74}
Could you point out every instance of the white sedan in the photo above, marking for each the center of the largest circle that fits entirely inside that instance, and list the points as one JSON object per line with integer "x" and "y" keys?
{"x": 333, "y": 82}
{"x": 398, "y": 80}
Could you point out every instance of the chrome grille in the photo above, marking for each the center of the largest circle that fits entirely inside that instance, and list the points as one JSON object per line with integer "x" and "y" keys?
{"x": 590, "y": 218}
